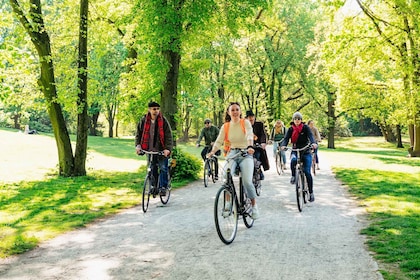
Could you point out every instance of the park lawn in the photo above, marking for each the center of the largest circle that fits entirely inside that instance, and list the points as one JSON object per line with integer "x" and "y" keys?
{"x": 32, "y": 211}
{"x": 387, "y": 184}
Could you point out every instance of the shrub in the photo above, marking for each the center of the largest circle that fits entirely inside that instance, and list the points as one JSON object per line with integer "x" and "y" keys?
{"x": 187, "y": 165}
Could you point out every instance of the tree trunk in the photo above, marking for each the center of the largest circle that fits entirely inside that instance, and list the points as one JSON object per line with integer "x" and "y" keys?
{"x": 40, "y": 38}
{"x": 399, "y": 138}
{"x": 82, "y": 102}
{"x": 414, "y": 150}
{"x": 170, "y": 88}
{"x": 331, "y": 119}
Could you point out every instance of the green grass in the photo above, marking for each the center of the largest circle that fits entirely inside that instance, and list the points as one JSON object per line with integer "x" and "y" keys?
{"x": 390, "y": 192}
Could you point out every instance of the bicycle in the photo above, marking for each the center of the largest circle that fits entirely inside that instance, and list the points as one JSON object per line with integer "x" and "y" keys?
{"x": 279, "y": 159}
{"x": 302, "y": 189}
{"x": 150, "y": 188}
{"x": 228, "y": 206}
{"x": 209, "y": 170}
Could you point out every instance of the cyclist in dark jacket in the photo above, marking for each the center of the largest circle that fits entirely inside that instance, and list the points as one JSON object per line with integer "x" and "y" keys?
{"x": 300, "y": 135}
{"x": 154, "y": 133}
{"x": 210, "y": 133}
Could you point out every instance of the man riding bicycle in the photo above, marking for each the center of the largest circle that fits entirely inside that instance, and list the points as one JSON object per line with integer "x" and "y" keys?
{"x": 210, "y": 133}
{"x": 154, "y": 134}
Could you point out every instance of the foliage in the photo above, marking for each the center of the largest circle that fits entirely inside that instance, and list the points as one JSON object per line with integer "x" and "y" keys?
{"x": 187, "y": 165}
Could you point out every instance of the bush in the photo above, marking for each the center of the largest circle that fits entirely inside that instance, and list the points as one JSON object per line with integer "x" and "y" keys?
{"x": 187, "y": 165}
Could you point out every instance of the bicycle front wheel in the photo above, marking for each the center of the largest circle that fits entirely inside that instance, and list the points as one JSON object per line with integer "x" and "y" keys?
{"x": 146, "y": 194}
{"x": 247, "y": 213}
{"x": 165, "y": 198}
{"x": 206, "y": 173}
{"x": 226, "y": 215}
{"x": 299, "y": 191}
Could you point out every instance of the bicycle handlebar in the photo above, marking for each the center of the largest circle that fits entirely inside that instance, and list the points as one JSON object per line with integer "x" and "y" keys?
{"x": 159, "y": 153}
{"x": 242, "y": 152}
{"x": 302, "y": 149}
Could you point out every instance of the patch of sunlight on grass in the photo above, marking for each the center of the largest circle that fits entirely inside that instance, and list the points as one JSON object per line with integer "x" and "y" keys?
{"x": 393, "y": 231}
{"x": 392, "y": 205}
{"x": 10, "y": 217}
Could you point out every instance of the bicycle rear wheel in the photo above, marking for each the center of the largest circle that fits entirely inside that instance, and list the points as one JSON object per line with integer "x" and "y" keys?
{"x": 299, "y": 190}
{"x": 206, "y": 172}
{"x": 146, "y": 194}
{"x": 226, "y": 215}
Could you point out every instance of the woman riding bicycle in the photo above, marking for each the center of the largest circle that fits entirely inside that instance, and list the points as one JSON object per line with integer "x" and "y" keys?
{"x": 236, "y": 134}
{"x": 300, "y": 135}
{"x": 277, "y": 134}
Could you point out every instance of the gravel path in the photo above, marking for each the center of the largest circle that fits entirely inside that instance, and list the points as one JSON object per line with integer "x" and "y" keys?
{"x": 179, "y": 241}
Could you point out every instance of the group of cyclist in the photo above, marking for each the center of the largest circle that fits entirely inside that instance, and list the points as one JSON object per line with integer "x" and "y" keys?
{"x": 154, "y": 134}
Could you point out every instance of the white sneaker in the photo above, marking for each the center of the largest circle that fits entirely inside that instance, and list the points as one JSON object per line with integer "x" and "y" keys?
{"x": 255, "y": 212}
{"x": 227, "y": 209}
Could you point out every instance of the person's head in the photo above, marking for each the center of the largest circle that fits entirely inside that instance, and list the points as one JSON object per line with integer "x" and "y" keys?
{"x": 311, "y": 123}
{"x": 250, "y": 116}
{"x": 297, "y": 118}
{"x": 154, "y": 109}
{"x": 207, "y": 122}
{"x": 279, "y": 123}
{"x": 233, "y": 111}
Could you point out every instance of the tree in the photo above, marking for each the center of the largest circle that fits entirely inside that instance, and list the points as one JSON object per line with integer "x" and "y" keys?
{"x": 33, "y": 23}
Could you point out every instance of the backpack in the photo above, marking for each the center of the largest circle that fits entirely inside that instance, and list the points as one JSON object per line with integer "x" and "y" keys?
{"x": 226, "y": 144}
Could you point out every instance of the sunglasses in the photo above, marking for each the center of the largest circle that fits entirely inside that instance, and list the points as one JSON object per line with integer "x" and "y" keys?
{"x": 155, "y": 109}
{"x": 298, "y": 119}
{"x": 207, "y": 123}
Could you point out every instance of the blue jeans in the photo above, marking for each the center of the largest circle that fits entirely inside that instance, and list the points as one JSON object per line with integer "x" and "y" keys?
{"x": 307, "y": 161}
{"x": 163, "y": 163}
{"x": 247, "y": 170}
{"x": 282, "y": 153}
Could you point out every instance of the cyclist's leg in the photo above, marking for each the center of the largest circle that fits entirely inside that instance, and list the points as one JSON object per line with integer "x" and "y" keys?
{"x": 204, "y": 153}
{"x": 216, "y": 165}
{"x": 275, "y": 148}
{"x": 163, "y": 167}
{"x": 307, "y": 163}
{"x": 247, "y": 171}
{"x": 293, "y": 162}
{"x": 283, "y": 155}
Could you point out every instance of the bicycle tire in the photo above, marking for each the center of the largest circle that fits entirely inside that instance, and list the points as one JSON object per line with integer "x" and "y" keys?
{"x": 247, "y": 212}
{"x": 299, "y": 191}
{"x": 206, "y": 173}
{"x": 146, "y": 194}
{"x": 165, "y": 198}
{"x": 226, "y": 221}
{"x": 212, "y": 170}
{"x": 305, "y": 190}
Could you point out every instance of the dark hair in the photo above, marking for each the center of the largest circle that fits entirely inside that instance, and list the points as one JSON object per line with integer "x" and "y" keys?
{"x": 153, "y": 104}
{"x": 227, "y": 116}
